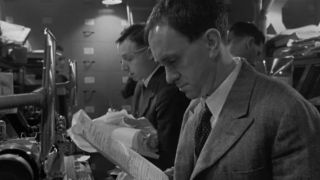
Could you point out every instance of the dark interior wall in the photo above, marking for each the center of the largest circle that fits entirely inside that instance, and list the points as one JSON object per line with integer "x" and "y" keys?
{"x": 296, "y": 13}
{"x": 240, "y": 10}
{"x": 100, "y": 77}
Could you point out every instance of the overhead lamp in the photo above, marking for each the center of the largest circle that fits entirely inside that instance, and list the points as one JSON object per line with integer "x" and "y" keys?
{"x": 111, "y": 2}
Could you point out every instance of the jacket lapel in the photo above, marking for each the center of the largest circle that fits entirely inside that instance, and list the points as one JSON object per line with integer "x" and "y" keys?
{"x": 232, "y": 122}
{"x": 148, "y": 93}
{"x": 135, "y": 99}
{"x": 147, "y": 96}
{"x": 184, "y": 162}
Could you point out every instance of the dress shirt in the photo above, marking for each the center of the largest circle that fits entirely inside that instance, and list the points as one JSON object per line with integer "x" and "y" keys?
{"x": 216, "y": 100}
{"x": 147, "y": 80}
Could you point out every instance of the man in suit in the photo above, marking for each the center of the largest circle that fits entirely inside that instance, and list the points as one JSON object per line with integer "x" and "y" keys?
{"x": 154, "y": 99}
{"x": 240, "y": 123}
{"x": 247, "y": 41}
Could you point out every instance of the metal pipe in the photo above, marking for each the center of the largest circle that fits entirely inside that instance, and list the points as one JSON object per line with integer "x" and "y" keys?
{"x": 65, "y": 84}
{"x": 14, "y": 100}
{"x": 47, "y": 125}
{"x": 73, "y": 80}
{"x": 129, "y": 15}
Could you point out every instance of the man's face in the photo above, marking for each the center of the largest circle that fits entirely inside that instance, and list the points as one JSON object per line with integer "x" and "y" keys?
{"x": 237, "y": 46}
{"x": 245, "y": 47}
{"x": 134, "y": 60}
{"x": 187, "y": 64}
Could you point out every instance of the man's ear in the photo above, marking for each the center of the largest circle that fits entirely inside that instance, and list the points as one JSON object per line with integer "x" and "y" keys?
{"x": 250, "y": 43}
{"x": 149, "y": 53}
{"x": 213, "y": 40}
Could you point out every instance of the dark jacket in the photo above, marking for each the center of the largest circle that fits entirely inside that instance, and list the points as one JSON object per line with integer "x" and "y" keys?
{"x": 163, "y": 105}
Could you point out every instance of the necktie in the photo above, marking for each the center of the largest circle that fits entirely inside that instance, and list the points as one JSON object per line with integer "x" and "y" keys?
{"x": 138, "y": 99}
{"x": 203, "y": 129}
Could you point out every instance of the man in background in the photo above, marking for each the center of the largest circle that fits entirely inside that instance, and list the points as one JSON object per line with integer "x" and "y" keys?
{"x": 240, "y": 124}
{"x": 154, "y": 99}
{"x": 247, "y": 41}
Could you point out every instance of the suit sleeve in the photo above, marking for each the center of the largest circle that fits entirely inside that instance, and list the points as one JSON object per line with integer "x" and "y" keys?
{"x": 171, "y": 105}
{"x": 296, "y": 148}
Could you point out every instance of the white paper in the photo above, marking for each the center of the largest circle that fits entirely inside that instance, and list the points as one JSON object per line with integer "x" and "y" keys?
{"x": 100, "y": 137}
{"x": 115, "y": 118}
{"x": 119, "y": 130}
{"x": 122, "y": 133}
{"x": 304, "y": 32}
{"x": 13, "y": 33}
{"x": 74, "y": 135}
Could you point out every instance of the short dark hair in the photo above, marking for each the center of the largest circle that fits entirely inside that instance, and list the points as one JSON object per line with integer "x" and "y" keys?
{"x": 243, "y": 29}
{"x": 134, "y": 33}
{"x": 190, "y": 17}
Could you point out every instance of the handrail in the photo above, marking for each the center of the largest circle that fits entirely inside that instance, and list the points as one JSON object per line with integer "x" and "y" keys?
{"x": 14, "y": 100}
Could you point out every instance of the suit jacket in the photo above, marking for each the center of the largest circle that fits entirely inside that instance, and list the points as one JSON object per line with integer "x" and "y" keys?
{"x": 266, "y": 130}
{"x": 163, "y": 105}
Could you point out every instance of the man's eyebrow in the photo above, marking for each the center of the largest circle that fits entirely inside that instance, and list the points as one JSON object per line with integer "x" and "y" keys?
{"x": 166, "y": 58}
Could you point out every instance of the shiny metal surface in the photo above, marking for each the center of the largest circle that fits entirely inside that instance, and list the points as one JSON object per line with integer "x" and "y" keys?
{"x": 45, "y": 97}
{"x": 73, "y": 80}
{"x": 71, "y": 84}
{"x": 47, "y": 126}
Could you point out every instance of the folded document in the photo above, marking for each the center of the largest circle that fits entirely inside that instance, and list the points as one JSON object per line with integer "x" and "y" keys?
{"x": 110, "y": 141}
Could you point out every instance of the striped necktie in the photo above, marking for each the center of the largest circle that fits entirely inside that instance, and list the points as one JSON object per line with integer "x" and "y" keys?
{"x": 203, "y": 129}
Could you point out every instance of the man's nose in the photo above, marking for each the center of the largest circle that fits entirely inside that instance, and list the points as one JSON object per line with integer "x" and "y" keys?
{"x": 124, "y": 67}
{"x": 171, "y": 75}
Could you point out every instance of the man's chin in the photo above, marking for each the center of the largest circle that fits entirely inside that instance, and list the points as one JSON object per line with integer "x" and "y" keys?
{"x": 190, "y": 95}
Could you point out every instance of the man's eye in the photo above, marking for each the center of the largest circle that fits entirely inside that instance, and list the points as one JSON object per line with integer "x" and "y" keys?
{"x": 128, "y": 59}
{"x": 171, "y": 61}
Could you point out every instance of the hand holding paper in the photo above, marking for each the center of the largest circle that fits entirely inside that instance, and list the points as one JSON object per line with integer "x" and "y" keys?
{"x": 115, "y": 118}
{"x": 139, "y": 123}
{"x": 147, "y": 138}
{"x": 100, "y": 137}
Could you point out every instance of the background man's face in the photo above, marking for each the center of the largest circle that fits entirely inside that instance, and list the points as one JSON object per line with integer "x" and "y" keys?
{"x": 245, "y": 47}
{"x": 187, "y": 63}
{"x": 237, "y": 45}
{"x": 134, "y": 60}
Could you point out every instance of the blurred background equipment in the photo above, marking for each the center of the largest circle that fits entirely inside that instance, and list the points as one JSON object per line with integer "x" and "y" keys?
{"x": 294, "y": 56}
{"x": 33, "y": 137}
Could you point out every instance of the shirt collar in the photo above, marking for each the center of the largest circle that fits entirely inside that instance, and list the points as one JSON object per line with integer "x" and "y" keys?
{"x": 147, "y": 80}
{"x": 217, "y": 99}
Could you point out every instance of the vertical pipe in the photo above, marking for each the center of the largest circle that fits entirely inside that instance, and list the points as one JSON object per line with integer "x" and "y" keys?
{"x": 129, "y": 15}
{"x": 47, "y": 126}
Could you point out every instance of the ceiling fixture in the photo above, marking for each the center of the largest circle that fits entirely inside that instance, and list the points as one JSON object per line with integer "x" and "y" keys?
{"x": 111, "y": 2}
